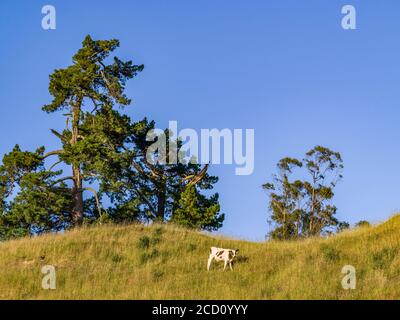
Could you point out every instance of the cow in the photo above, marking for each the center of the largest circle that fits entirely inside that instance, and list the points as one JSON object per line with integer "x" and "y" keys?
{"x": 219, "y": 254}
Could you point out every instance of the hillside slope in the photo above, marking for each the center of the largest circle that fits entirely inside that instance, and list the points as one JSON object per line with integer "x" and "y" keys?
{"x": 162, "y": 262}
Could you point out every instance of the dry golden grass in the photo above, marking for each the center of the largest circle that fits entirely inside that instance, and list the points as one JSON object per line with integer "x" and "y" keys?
{"x": 165, "y": 262}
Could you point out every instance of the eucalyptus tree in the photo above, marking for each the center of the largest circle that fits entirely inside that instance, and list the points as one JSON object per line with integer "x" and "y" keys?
{"x": 301, "y": 193}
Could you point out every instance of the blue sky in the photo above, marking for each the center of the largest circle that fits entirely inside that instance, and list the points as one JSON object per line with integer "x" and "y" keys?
{"x": 285, "y": 68}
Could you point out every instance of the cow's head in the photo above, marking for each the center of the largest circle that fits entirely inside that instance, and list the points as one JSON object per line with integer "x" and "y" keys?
{"x": 233, "y": 253}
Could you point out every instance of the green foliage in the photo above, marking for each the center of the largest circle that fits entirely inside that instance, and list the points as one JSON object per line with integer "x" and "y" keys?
{"x": 384, "y": 257}
{"x": 154, "y": 191}
{"x": 41, "y": 204}
{"x": 362, "y": 224}
{"x": 157, "y": 274}
{"x": 301, "y": 208}
{"x": 102, "y": 147}
{"x": 342, "y": 226}
{"x": 330, "y": 254}
{"x": 196, "y": 211}
{"x": 89, "y": 77}
{"x": 86, "y": 91}
{"x": 145, "y": 257}
{"x": 144, "y": 242}
{"x": 191, "y": 247}
{"x": 116, "y": 258}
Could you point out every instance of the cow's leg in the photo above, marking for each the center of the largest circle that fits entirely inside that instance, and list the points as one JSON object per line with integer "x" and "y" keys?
{"x": 225, "y": 263}
{"x": 209, "y": 262}
{"x": 230, "y": 264}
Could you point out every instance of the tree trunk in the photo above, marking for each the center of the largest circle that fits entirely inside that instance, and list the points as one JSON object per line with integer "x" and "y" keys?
{"x": 311, "y": 226}
{"x": 77, "y": 192}
{"x": 161, "y": 202}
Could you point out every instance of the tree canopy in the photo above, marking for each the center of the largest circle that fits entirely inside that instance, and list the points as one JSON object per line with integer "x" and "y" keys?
{"x": 104, "y": 151}
{"x": 300, "y": 195}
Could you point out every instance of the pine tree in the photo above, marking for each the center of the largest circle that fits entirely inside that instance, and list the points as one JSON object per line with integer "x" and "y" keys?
{"x": 196, "y": 211}
{"x": 152, "y": 191}
{"x": 86, "y": 92}
{"x": 88, "y": 80}
{"x": 41, "y": 203}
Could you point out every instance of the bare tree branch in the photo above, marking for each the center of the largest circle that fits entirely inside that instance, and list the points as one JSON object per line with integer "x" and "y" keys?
{"x": 58, "y": 135}
{"x": 96, "y": 197}
{"x": 194, "y": 179}
{"x": 62, "y": 179}
{"x": 52, "y": 153}
{"x": 53, "y": 165}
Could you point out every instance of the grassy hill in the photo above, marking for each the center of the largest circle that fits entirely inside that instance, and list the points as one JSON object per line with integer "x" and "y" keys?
{"x": 164, "y": 262}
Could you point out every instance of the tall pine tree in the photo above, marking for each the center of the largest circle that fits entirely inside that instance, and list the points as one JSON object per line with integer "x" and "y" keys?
{"x": 86, "y": 92}
{"x": 89, "y": 80}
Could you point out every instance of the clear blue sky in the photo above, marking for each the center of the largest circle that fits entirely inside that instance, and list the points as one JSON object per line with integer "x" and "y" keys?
{"x": 285, "y": 68}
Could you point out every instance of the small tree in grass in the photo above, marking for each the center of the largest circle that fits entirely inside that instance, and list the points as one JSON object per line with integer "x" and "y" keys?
{"x": 362, "y": 224}
{"x": 194, "y": 210}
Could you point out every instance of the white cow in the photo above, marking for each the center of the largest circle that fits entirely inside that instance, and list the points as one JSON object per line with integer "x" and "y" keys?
{"x": 220, "y": 254}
